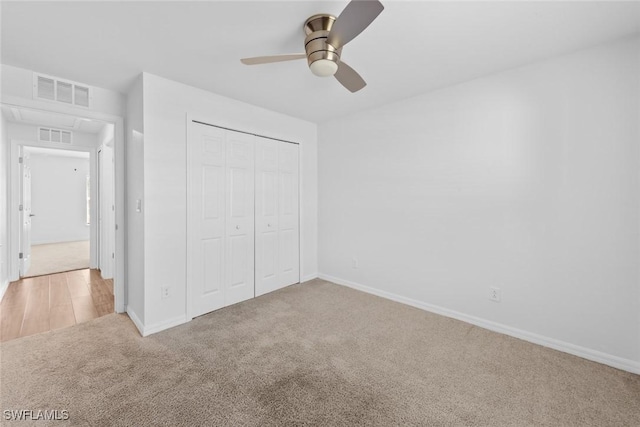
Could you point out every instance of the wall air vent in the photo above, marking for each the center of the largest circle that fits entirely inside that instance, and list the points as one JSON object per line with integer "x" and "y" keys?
{"x": 64, "y": 91}
{"x": 54, "y": 135}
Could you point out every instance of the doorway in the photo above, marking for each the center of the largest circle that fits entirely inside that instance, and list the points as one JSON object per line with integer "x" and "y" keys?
{"x": 62, "y": 219}
{"x": 56, "y": 211}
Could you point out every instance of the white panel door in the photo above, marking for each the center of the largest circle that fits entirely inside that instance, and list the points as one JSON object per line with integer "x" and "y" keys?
{"x": 267, "y": 277}
{"x": 206, "y": 229}
{"x": 239, "y": 263}
{"x": 25, "y": 238}
{"x": 277, "y": 215}
{"x": 288, "y": 215}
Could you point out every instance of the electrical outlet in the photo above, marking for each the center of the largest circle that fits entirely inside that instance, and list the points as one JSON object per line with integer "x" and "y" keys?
{"x": 495, "y": 294}
{"x": 354, "y": 263}
{"x": 165, "y": 292}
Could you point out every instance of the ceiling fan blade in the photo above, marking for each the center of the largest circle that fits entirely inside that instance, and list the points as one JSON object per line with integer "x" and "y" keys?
{"x": 353, "y": 20}
{"x": 349, "y": 78}
{"x": 273, "y": 58}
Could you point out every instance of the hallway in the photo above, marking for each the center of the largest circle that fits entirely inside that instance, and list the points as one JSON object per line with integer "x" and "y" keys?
{"x": 44, "y": 303}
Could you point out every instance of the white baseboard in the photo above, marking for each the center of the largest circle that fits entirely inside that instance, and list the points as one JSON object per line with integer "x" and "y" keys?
{"x": 136, "y": 320}
{"x": 157, "y": 327}
{"x": 166, "y": 324}
{"x": 309, "y": 277}
{"x": 3, "y": 288}
{"x": 586, "y": 353}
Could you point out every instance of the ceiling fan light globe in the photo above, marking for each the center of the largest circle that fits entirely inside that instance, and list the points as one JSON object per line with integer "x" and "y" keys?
{"x": 323, "y": 67}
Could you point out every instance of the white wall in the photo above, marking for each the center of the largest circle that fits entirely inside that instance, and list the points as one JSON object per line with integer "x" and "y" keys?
{"x": 134, "y": 232}
{"x": 58, "y": 198}
{"x": 525, "y": 180}
{"x": 166, "y": 105}
{"x": 4, "y": 203}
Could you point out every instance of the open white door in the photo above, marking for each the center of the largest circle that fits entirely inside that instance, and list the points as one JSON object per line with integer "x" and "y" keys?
{"x": 101, "y": 232}
{"x": 26, "y": 215}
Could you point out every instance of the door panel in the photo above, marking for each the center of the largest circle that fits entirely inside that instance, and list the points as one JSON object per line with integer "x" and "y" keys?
{"x": 206, "y": 229}
{"x": 212, "y": 191}
{"x": 239, "y": 282}
{"x": 25, "y": 238}
{"x": 289, "y": 266}
{"x": 213, "y": 268}
{"x": 238, "y": 247}
{"x": 269, "y": 255}
{"x": 101, "y": 232}
{"x": 238, "y": 187}
{"x": 266, "y": 216}
{"x": 277, "y": 245}
{"x": 287, "y": 248}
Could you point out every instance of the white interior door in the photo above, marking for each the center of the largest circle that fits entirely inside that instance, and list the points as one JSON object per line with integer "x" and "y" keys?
{"x": 221, "y": 218}
{"x": 277, "y": 215}
{"x": 267, "y": 277}
{"x": 106, "y": 212}
{"x": 206, "y": 229}
{"x": 239, "y": 242}
{"x": 288, "y": 214}
{"x": 101, "y": 232}
{"x": 25, "y": 238}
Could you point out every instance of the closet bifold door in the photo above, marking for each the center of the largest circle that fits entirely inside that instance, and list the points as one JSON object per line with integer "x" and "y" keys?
{"x": 220, "y": 218}
{"x": 277, "y": 215}
{"x": 240, "y": 228}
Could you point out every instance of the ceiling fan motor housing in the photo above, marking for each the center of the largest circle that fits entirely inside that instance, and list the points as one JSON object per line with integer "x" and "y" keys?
{"x": 322, "y": 58}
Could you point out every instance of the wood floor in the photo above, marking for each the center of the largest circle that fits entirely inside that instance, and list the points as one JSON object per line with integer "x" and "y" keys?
{"x": 39, "y": 304}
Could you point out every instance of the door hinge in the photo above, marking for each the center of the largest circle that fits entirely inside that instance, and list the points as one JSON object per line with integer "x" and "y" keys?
{"x": 20, "y": 208}
{"x": 113, "y": 255}
{"x": 20, "y": 159}
{"x": 20, "y": 255}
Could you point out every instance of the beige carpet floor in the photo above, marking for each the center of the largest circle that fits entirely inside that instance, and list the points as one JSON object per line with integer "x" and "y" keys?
{"x": 58, "y": 257}
{"x": 310, "y": 354}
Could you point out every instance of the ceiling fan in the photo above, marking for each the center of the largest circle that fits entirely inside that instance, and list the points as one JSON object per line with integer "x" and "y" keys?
{"x": 326, "y": 35}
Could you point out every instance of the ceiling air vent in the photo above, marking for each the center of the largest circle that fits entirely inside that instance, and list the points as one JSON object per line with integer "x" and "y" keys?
{"x": 54, "y": 135}
{"x": 65, "y": 91}
{"x": 46, "y": 88}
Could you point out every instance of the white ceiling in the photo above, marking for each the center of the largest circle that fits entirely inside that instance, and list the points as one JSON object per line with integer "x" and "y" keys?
{"x": 413, "y": 47}
{"x": 30, "y": 116}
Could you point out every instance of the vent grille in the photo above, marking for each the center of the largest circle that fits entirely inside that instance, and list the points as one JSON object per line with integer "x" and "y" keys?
{"x": 65, "y": 91}
{"x": 54, "y": 135}
{"x": 82, "y": 96}
{"x": 46, "y": 88}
